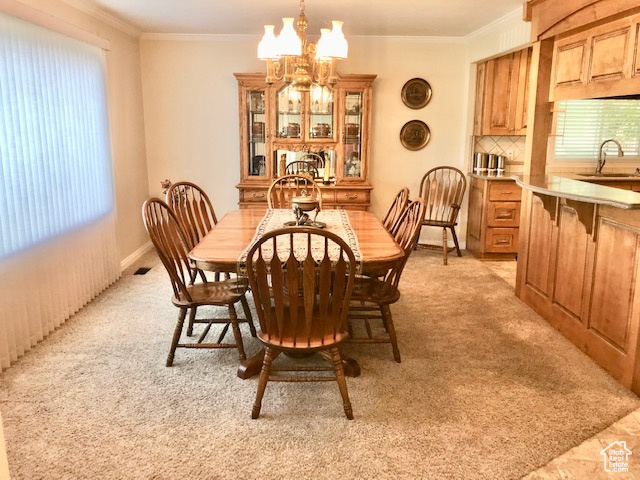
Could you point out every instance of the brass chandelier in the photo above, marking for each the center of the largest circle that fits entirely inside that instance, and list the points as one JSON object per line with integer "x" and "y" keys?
{"x": 298, "y": 62}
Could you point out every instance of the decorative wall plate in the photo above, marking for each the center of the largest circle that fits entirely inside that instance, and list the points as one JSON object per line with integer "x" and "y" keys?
{"x": 416, "y": 93}
{"x": 415, "y": 135}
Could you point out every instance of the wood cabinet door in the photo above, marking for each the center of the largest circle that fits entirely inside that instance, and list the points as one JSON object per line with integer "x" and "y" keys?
{"x": 480, "y": 93}
{"x": 501, "y": 95}
{"x": 522, "y": 106}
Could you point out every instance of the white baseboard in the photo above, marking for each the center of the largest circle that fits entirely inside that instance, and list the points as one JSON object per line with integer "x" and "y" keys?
{"x": 127, "y": 262}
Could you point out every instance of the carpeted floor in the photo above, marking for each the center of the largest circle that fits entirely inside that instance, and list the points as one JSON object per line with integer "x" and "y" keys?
{"x": 486, "y": 390}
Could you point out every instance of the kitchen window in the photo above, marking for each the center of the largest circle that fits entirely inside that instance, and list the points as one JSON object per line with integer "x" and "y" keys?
{"x": 582, "y": 125}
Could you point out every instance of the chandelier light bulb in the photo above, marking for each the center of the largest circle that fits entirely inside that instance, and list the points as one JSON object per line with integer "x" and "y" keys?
{"x": 339, "y": 47}
{"x": 289, "y": 42}
{"x": 267, "y": 48}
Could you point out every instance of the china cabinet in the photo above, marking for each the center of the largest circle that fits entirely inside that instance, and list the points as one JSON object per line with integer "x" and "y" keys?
{"x": 280, "y": 125}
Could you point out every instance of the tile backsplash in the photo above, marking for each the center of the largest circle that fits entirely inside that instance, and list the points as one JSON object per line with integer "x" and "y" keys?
{"x": 502, "y": 146}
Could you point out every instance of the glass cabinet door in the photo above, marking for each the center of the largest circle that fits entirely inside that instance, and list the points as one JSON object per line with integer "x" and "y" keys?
{"x": 289, "y": 115}
{"x": 256, "y": 124}
{"x": 321, "y": 113}
{"x": 352, "y": 135}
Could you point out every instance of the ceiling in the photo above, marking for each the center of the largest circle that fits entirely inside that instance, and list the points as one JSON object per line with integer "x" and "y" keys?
{"x": 455, "y": 18}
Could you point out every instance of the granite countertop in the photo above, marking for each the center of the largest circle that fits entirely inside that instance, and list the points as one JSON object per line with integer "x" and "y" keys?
{"x": 580, "y": 190}
{"x": 484, "y": 176}
{"x": 607, "y": 177}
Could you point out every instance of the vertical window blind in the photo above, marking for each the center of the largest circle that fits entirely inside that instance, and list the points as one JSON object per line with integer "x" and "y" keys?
{"x": 57, "y": 220}
{"x": 582, "y": 125}
{"x": 54, "y": 144}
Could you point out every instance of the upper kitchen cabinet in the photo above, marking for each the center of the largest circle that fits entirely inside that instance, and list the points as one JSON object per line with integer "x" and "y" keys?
{"x": 602, "y": 61}
{"x": 502, "y": 95}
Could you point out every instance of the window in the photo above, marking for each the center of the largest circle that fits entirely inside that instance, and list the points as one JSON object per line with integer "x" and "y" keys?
{"x": 582, "y": 125}
{"x": 55, "y": 159}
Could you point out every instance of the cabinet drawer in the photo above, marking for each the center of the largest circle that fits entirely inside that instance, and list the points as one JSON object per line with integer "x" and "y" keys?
{"x": 503, "y": 214}
{"x": 504, "y": 191}
{"x": 501, "y": 240}
{"x": 328, "y": 196}
{"x": 352, "y": 196}
{"x": 254, "y": 195}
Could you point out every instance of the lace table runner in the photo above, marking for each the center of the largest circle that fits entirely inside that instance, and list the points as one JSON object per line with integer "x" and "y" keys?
{"x": 337, "y": 222}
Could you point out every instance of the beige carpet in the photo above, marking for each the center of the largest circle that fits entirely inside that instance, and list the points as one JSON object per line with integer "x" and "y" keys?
{"x": 486, "y": 390}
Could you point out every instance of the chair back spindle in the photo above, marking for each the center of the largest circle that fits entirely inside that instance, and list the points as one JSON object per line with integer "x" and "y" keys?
{"x": 442, "y": 189}
{"x": 406, "y": 235}
{"x": 283, "y": 189}
{"x": 301, "y": 280}
{"x": 193, "y": 209}
{"x": 301, "y": 166}
{"x": 170, "y": 243}
{"x": 396, "y": 209}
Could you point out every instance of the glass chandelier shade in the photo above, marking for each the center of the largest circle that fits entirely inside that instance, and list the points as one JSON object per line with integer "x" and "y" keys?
{"x": 298, "y": 62}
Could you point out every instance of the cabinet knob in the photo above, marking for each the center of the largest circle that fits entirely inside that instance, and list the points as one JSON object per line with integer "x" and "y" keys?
{"x": 257, "y": 195}
{"x": 351, "y": 196}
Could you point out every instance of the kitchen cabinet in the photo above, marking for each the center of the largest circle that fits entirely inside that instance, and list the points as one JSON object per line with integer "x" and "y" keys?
{"x": 279, "y": 125}
{"x": 494, "y": 217}
{"x": 577, "y": 268}
{"x": 603, "y": 61}
{"x": 502, "y": 95}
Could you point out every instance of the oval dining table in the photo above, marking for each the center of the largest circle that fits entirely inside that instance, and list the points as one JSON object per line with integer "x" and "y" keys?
{"x": 220, "y": 249}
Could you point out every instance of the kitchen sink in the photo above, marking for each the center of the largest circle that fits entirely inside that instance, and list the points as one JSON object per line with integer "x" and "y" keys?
{"x": 609, "y": 175}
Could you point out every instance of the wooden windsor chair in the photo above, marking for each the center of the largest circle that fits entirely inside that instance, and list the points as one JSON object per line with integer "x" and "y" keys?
{"x": 396, "y": 209}
{"x": 196, "y": 216}
{"x": 442, "y": 189}
{"x": 283, "y": 189}
{"x": 301, "y": 166}
{"x": 302, "y": 299}
{"x": 373, "y": 295}
{"x": 173, "y": 248}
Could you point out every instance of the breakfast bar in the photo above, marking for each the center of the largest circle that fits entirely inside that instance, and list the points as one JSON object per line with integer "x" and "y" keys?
{"x": 578, "y": 266}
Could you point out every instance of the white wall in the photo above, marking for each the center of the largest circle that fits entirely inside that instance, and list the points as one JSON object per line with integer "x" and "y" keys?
{"x": 4, "y": 464}
{"x": 191, "y": 110}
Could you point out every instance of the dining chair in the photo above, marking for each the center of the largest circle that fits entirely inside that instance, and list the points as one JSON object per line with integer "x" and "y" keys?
{"x": 313, "y": 158}
{"x": 301, "y": 279}
{"x": 372, "y": 295}
{"x": 301, "y": 166}
{"x": 193, "y": 209}
{"x": 396, "y": 209}
{"x": 283, "y": 189}
{"x": 172, "y": 247}
{"x": 196, "y": 216}
{"x": 442, "y": 189}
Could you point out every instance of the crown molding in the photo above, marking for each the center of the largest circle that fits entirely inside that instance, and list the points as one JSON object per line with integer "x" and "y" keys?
{"x": 214, "y": 37}
{"x": 200, "y": 37}
{"x": 88, "y": 7}
{"x": 509, "y": 17}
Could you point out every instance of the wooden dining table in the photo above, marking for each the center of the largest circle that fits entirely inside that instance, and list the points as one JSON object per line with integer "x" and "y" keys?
{"x": 220, "y": 249}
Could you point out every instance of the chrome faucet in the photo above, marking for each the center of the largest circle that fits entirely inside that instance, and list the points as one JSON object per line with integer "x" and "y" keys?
{"x": 602, "y": 156}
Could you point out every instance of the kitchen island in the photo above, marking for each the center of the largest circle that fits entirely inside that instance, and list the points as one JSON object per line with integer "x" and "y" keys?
{"x": 578, "y": 266}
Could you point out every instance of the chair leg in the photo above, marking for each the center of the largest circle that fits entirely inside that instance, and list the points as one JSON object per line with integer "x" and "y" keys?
{"x": 247, "y": 315}
{"x": 262, "y": 382}
{"x": 236, "y": 331}
{"x": 176, "y": 336}
{"x": 192, "y": 317}
{"x": 216, "y": 277}
{"x": 445, "y": 248}
{"x": 336, "y": 360}
{"x": 387, "y": 319}
{"x": 455, "y": 240}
